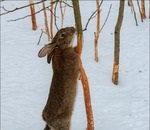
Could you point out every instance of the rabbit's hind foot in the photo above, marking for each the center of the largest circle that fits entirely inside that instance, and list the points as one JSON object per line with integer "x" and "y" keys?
{"x": 49, "y": 128}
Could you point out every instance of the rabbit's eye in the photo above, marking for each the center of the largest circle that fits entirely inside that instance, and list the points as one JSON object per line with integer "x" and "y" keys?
{"x": 62, "y": 35}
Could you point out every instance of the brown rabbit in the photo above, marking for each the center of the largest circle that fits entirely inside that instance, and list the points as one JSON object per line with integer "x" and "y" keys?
{"x": 65, "y": 63}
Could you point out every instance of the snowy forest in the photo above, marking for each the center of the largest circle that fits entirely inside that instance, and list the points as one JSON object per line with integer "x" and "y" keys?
{"x": 112, "y": 44}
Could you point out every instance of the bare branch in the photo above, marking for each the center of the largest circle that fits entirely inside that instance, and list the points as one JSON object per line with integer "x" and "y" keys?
{"x": 28, "y": 15}
{"x": 92, "y": 17}
{"x": 18, "y": 8}
{"x": 42, "y": 31}
{"x": 40, "y": 37}
{"x": 134, "y": 13}
{"x": 67, "y": 4}
{"x": 106, "y": 19}
{"x": 55, "y": 17}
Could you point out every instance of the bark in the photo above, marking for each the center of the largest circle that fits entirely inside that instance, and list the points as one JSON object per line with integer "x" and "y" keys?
{"x": 51, "y": 21}
{"x": 46, "y": 21}
{"x": 62, "y": 12}
{"x": 143, "y": 9}
{"x": 115, "y": 74}
{"x": 97, "y": 31}
{"x": 78, "y": 23}
{"x": 139, "y": 10}
{"x": 129, "y": 2}
{"x": 84, "y": 79}
{"x": 33, "y": 17}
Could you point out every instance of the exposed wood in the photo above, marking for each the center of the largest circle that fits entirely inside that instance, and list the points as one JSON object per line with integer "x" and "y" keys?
{"x": 115, "y": 74}
{"x": 143, "y": 9}
{"x": 84, "y": 79}
{"x": 33, "y": 17}
{"x": 129, "y": 2}
{"x": 87, "y": 99}
{"x": 139, "y": 10}
{"x": 78, "y": 23}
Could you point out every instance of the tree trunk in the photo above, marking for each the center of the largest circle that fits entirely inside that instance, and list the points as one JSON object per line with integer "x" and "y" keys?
{"x": 139, "y": 10}
{"x": 143, "y": 9}
{"x": 78, "y": 23}
{"x": 33, "y": 18}
{"x": 84, "y": 79}
{"x": 117, "y": 43}
{"x": 97, "y": 31}
{"x": 129, "y": 2}
{"x": 51, "y": 20}
{"x": 45, "y": 20}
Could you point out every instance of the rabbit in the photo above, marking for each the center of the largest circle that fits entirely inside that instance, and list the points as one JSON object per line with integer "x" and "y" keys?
{"x": 66, "y": 71}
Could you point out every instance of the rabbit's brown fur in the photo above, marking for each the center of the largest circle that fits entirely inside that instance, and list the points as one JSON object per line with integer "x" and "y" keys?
{"x": 65, "y": 63}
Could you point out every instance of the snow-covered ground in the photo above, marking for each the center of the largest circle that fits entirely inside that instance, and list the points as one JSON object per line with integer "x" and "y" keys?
{"x": 25, "y": 78}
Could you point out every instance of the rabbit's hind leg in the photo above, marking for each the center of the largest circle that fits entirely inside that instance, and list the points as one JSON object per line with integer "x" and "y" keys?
{"x": 49, "y": 128}
{"x": 61, "y": 125}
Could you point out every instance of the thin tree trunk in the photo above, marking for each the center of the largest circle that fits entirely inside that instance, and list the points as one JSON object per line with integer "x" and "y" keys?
{"x": 62, "y": 12}
{"x": 97, "y": 31}
{"x": 129, "y": 2}
{"x": 115, "y": 74}
{"x": 84, "y": 79}
{"x": 139, "y": 10}
{"x": 78, "y": 23}
{"x": 46, "y": 21}
{"x": 33, "y": 18}
{"x": 143, "y": 9}
{"x": 132, "y": 6}
{"x": 51, "y": 20}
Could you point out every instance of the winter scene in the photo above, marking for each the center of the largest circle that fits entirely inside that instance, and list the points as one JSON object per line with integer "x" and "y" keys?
{"x": 75, "y": 64}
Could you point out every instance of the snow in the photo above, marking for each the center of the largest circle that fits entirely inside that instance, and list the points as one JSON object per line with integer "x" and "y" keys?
{"x": 25, "y": 78}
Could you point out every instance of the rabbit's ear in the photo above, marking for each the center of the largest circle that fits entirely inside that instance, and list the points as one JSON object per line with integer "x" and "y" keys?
{"x": 46, "y": 50}
{"x": 49, "y": 57}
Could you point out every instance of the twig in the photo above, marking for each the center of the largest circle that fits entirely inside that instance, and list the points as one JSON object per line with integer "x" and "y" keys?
{"x": 18, "y": 8}
{"x": 67, "y": 4}
{"x": 40, "y": 37}
{"x": 106, "y": 18}
{"x": 55, "y": 17}
{"x": 134, "y": 13}
{"x": 27, "y": 15}
{"x": 92, "y": 17}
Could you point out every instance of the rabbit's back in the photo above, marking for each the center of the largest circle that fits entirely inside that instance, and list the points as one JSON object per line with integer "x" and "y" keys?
{"x": 63, "y": 89}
